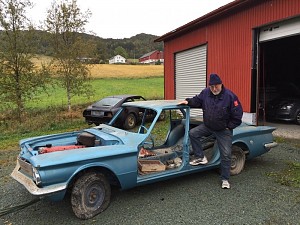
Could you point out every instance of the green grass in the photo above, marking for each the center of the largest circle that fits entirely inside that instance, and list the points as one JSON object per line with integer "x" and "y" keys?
{"x": 289, "y": 176}
{"x": 47, "y": 114}
{"x": 150, "y": 88}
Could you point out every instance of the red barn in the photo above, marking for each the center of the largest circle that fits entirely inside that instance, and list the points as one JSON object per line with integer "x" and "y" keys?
{"x": 152, "y": 57}
{"x": 252, "y": 44}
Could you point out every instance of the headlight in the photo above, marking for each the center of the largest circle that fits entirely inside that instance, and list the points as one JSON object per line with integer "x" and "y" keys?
{"x": 36, "y": 176}
{"x": 287, "y": 107}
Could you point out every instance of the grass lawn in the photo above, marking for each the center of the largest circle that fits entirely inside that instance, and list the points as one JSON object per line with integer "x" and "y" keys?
{"x": 47, "y": 113}
{"x": 150, "y": 88}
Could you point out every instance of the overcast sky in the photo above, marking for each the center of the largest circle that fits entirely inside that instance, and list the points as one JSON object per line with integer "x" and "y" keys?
{"x": 124, "y": 19}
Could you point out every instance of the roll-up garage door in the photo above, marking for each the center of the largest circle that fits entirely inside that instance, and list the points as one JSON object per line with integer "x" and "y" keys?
{"x": 278, "y": 30}
{"x": 190, "y": 74}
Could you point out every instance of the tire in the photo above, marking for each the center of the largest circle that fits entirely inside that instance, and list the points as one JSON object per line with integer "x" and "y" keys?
{"x": 90, "y": 195}
{"x": 238, "y": 159}
{"x": 298, "y": 118}
{"x": 130, "y": 121}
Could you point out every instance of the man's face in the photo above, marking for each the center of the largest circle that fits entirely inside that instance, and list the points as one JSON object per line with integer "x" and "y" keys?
{"x": 216, "y": 89}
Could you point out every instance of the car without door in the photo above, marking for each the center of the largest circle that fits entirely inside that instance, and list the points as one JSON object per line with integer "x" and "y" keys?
{"x": 89, "y": 162}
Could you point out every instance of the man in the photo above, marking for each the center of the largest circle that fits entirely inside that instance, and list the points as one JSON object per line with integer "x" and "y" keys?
{"x": 222, "y": 112}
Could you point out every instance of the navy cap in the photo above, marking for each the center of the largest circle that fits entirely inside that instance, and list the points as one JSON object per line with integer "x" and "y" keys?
{"x": 214, "y": 79}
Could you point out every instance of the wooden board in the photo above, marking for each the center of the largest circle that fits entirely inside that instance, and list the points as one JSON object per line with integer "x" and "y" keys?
{"x": 151, "y": 165}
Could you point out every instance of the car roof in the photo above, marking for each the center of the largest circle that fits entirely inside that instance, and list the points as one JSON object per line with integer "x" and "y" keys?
{"x": 155, "y": 104}
{"x": 123, "y": 96}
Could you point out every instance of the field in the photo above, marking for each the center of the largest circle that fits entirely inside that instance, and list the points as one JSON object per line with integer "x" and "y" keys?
{"x": 126, "y": 71}
{"x": 47, "y": 114}
{"x": 116, "y": 70}
{"x": 107, "y": 79}
{"x": 150, "y": 88}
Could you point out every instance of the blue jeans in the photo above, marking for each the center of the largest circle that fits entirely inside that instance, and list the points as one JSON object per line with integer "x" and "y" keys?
{"x": 224, "y": 141}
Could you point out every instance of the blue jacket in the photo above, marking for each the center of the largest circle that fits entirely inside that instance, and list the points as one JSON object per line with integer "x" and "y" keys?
{"x": 219, "y": 111}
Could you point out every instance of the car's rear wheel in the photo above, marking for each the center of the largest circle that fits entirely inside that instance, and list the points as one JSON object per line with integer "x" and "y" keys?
{"x": 238, "y": 159}
{"x": 90, "y": 195}
{"x": 298, "y": 117}
{"x": 130, "y": 121}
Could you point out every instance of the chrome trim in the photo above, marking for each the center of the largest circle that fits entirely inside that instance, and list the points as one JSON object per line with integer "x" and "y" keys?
{"x": 36, "y": 176}
{"x": 268, "y": 146}
{"x": 25, "y": 166}
{"x": 31, "y": 186}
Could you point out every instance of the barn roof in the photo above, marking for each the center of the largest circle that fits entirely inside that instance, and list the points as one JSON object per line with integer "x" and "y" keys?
{"x": 229, "y": 8}
{"x": 148, "y": 54}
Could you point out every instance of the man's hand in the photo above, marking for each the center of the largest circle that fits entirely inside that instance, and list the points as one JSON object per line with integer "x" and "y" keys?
{"x": 184, "y": 102}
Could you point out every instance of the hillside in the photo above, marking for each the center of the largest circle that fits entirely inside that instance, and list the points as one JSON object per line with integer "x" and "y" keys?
{"x": 135, "y": 46}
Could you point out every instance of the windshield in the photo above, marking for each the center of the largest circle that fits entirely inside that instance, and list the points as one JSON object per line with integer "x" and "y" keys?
{"x": 107, "y": 102}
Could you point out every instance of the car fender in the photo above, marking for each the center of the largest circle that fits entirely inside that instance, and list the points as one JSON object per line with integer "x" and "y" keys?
{"x": 125, "y": 179}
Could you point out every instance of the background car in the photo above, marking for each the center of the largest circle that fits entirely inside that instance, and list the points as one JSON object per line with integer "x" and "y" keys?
{"x": 284, "y": 109}
{"x": 103, "y": 110}
{"x": 286, "y": 105}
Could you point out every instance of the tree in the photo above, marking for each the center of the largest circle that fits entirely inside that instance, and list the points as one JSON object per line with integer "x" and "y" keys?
{"x": 65, "y": 22}
{"x": 20, "y": 79}
{"x": 120, "y": 51}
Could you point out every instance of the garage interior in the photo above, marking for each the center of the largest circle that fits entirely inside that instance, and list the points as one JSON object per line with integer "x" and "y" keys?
{"x": 279, "y": 71}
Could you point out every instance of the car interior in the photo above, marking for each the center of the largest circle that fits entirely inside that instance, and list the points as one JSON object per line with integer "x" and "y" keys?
{"x": 163, "y": 154}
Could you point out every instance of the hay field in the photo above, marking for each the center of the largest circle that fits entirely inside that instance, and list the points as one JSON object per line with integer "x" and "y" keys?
{"x": 122, "y": 71}
{"x": 114, "y": 70}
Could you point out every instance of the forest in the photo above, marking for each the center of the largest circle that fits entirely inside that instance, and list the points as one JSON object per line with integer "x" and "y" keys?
{"x": 130, "y": 48}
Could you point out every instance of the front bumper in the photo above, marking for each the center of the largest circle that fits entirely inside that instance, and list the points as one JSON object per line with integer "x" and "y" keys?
{"x": 268, "y": 146}
{"x": 31, "y": 186}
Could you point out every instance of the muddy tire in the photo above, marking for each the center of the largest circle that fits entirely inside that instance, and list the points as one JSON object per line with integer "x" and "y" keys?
{"x": 238, "y": 159}
{"x": 90, "y": 195}
{"x": 298, "y": 118}
{"x": 130, "y": 121}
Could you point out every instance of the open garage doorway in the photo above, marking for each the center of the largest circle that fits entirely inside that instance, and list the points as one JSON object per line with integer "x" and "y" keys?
{"x": 279, "y": 80}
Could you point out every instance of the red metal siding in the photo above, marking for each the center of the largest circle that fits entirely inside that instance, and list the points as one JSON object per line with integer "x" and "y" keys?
{"x": 155, "y": 55}
{"x": 229, "y": 44}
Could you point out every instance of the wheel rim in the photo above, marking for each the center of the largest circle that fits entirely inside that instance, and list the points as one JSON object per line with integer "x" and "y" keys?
{"x": 234, "y": 161}
{"x": 298, "y": 118}
{"x": 94, "y": 195}
{"x": 131, "y": 121}
{"x": 237, "y": 160}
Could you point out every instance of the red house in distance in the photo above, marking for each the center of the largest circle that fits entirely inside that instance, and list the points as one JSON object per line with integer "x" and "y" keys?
{"x": 152, "y": 57}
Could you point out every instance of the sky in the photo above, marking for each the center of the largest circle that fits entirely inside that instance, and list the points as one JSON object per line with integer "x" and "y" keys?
{"x": 120, "y": 19}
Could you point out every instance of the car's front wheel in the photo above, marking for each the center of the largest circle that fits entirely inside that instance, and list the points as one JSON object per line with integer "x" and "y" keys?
{"x": 130, "y": 121}
{"x": 238, "y": 159}
{"x": 90, "y": 195}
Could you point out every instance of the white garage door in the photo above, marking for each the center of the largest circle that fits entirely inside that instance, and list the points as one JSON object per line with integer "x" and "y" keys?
{"x": 279, "y": 30}
{"x": 190, "y": 74}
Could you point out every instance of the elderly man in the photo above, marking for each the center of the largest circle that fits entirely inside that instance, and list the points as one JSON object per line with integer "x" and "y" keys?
{"x": 222, "y": 112}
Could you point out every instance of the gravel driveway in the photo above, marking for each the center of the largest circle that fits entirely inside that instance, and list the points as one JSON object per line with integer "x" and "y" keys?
{"x": 255, "y": 198}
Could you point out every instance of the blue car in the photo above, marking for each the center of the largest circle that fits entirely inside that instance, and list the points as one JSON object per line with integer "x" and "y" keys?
{"x": 89, "y": 162}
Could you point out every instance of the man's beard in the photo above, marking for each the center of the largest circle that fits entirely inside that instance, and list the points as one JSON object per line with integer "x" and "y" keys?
{"x": 216, "y": 93}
